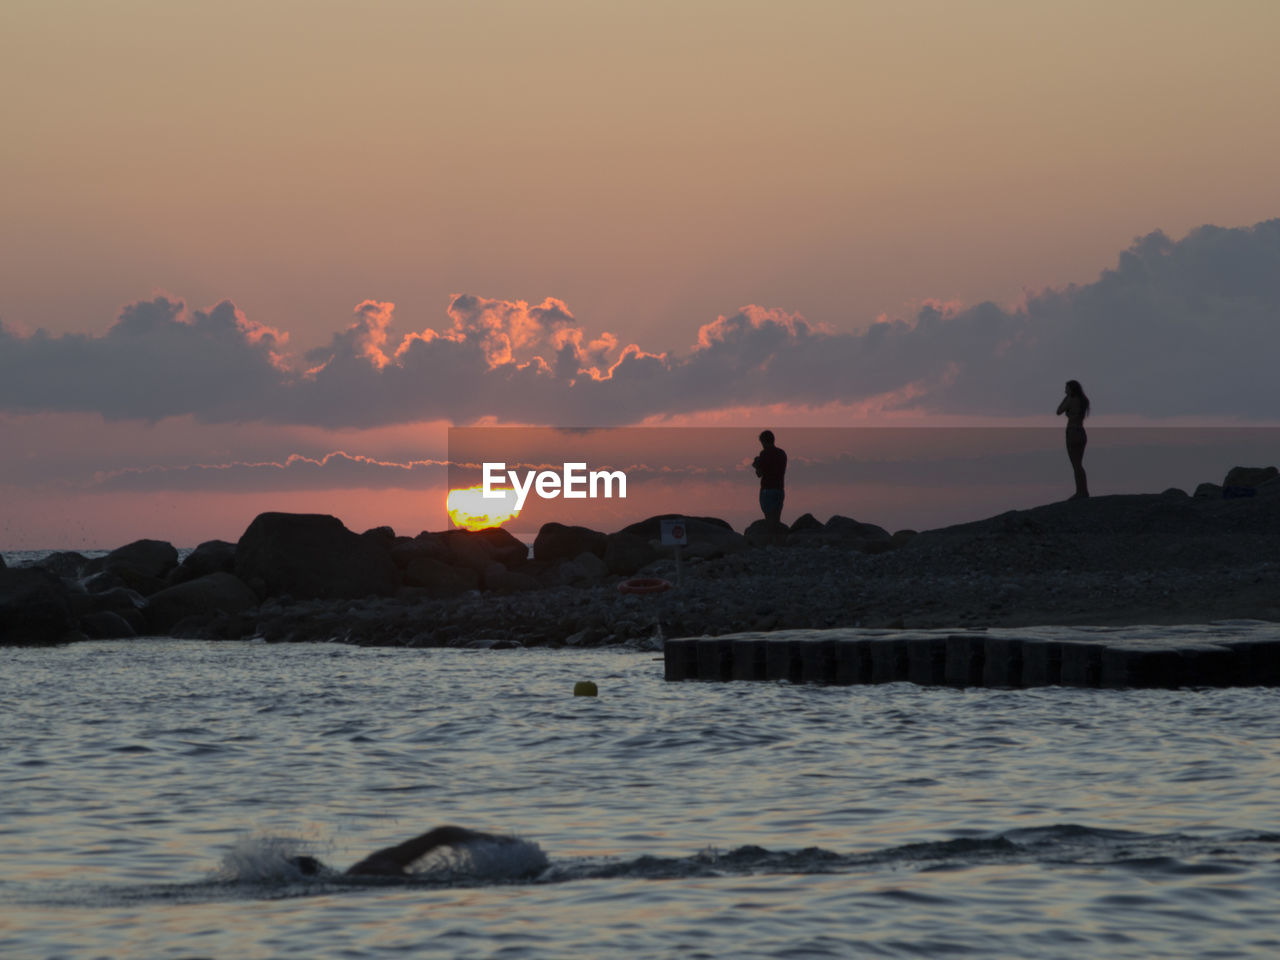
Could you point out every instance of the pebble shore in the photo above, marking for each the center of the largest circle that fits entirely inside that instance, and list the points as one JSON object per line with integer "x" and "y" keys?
{"x": 1152, "y": 559}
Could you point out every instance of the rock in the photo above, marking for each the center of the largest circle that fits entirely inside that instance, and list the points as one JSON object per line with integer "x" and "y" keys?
{"x": 106, "y": 625}
{"x": 651, "y": 528}
{"x": 121, "y": 601}
{"x": 806, "y": 523}
{"x": 404, "y": 550}
{"x": 504, "y": 547}
{"x": 1208, "y": 491}
{"x": 438, "y": 578}
{"x": 556, "y": 541}
{"x": 762, "y": 533}
{"x": 902, "y": 537}
{"x": 1174, "y": 493}
{"x": 848, "y": 527}
{"x": 1249, "y": 482}
{"x": 152, "y": 559}
{"x": 709, "y": 537}
{"x": 65, "y": 563}
{"x": 585, "y": 566}
{"x": 1268, "y": 488}
{"x": 1109, "y": 559}
{"x": 466, "y": 549}
{"x": 103, "y": 581}
{"x": 625, "y": 553}
{"x": 1249, "y": 476}
{"x": 203, "y": 597}
{"x": 309, "y": 556}
{"x": 498, "y": 579}
{"x": 478, "y": 548}
{"x": 433, "y": 542}
{"x": 126, "y": 576}
{"x": 586, "y": 638}
{"x": 3, "y": 565}
{"x": 380, "y": 533}
{"x": 34, "y": 608}
{"x": 212, "y": 556}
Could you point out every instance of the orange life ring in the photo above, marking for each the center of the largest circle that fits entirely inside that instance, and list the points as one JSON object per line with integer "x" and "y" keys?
{"x": 643, "y": 585}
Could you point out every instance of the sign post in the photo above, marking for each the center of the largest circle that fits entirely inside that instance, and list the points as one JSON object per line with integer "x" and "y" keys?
{"x": 675, "y": 534}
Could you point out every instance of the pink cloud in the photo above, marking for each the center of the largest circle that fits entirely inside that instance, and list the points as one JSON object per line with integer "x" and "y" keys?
{"x": 1199, "y": 313}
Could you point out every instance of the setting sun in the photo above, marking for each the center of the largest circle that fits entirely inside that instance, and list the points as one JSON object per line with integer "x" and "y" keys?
{"x": 470, "y": 509}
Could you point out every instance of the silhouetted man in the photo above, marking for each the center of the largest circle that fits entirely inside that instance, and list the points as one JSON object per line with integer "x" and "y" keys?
{"x": 771, "y": 467}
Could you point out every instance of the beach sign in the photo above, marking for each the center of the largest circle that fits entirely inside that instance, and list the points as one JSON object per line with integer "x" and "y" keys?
{"x": 674, "y": 533}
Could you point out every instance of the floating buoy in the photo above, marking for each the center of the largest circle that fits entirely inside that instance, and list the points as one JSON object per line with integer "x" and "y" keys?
{"x": 644, "y": 585}
{"x": 585, "y": 688}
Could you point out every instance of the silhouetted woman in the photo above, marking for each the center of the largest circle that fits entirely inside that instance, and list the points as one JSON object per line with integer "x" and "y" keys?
{"x": 1076, "y": 406}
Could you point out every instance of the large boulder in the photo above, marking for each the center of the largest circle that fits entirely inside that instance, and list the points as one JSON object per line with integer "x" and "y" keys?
{"x": 34, "y": 608}
{"x": 763, "y": 533}
{"x": 105, "y": 625}
{"x": 440, "y": 579}
{"x": 152, "y": 558}
{"x": 852, "y": 529}
{"x": 504, "y": 547}
{"x": 103, "y": 581}
{"x": 709, "y": 539}
{"x": 585, "y": 566}
{"x": 466, "y": 549}
{"x": 1248, "y": 481}
{"x": 212, "y": 556}
{"x": 556, "y": 541}
{"x": 1249, "y": 476}
{"x": 404, "y": 550}
{"x": 807, "y": 523}
{"x": 651, "y": 527}
{"x": 142, "y": 566}
{"x": 67, "y": 564}
{"x": 124, "y": 603}
{"x": 625, "y": 553}
{"x": 313, "y": 556}
{"x": 498, "y": 579}
{"x": 203, "y": 597}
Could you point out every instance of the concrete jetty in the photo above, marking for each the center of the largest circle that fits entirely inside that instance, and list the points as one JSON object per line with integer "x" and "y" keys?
{"x": 1220, "y": 654}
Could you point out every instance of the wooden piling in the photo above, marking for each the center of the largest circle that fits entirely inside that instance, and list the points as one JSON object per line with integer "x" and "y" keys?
{"x": 1233, "y": 653}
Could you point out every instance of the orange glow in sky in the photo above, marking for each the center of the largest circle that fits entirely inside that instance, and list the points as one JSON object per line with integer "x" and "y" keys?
{"x": 578, "y": 198}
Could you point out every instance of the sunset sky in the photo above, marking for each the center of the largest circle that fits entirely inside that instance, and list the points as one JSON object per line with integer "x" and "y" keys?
{"x": 259, "y": 255}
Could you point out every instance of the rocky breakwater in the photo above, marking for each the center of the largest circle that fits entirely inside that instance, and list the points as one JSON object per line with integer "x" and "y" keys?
{"x": 1155, "y": 558}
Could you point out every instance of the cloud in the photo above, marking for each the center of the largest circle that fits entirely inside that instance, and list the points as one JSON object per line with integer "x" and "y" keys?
{"x": 1177, "y": 328}
{"x": 157, "y": 360}
{"x": 335, "y": 470}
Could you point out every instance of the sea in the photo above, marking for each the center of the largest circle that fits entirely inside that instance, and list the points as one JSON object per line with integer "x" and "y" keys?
{"x": 155, "y": 792}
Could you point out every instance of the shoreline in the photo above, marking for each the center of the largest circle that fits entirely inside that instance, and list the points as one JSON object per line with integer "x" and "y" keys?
{"x": 1108, "y": 561}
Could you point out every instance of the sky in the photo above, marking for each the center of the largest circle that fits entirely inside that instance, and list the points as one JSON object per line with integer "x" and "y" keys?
{"x": 262, "y": 255}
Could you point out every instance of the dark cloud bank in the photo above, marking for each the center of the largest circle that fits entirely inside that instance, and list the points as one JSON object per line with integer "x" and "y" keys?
{"x": 1190, "y": 327}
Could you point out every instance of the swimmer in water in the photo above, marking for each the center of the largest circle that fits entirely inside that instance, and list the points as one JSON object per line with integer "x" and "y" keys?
{"x": 393, "y": 861}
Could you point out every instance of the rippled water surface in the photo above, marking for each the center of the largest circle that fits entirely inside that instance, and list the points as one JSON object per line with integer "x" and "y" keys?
{"x": 153, "y": 791}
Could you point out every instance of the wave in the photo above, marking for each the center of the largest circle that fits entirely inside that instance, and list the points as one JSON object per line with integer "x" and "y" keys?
{"x": 264, "y": 867}
{"x": 274, "y": 859}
